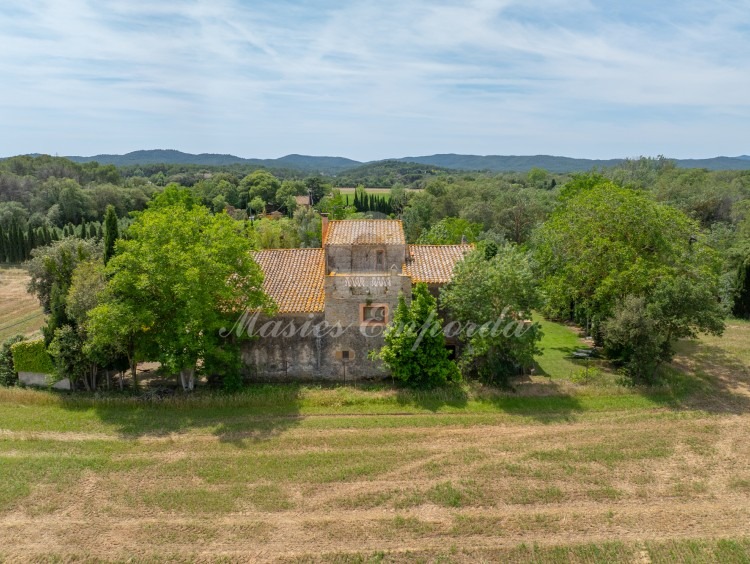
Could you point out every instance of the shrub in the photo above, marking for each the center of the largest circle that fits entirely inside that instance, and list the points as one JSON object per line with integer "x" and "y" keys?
{"x": 32, "y": 356}
{"x": 633, "y": 340}
{"x": 414, "y": 349}
{"x": 8, "y": 374}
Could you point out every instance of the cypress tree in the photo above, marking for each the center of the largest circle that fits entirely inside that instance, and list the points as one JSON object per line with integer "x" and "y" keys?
{"x": 111, "y": 233}
{"x": 22, "y": 245}
{"x": 13, "y": 255}
{"x": 30, "y": 241}
{"x": 2, "y": 245}
{"x": 57, "y": 315}
{"x": 10, "y": 252}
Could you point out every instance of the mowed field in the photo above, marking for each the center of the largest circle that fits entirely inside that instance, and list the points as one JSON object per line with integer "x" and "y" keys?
{"x": 572, "y": 466}
{"x": 20, "y": 313}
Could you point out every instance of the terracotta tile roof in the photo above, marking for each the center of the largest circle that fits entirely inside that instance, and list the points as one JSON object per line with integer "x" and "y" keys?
{"x": 294, "y": 278}
{"x": 434, "y": 263}
{"x": 365, "y": 232}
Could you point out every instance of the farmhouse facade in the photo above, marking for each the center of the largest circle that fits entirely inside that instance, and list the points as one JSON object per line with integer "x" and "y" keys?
{"x": 334, "y": 302}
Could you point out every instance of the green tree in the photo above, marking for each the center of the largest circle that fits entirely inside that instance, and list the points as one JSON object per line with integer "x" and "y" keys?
{"x": 261, "y": 184}
{"x": 88, "y": 284}
{"x": 632, "y": 338}
{"x": 286, "y": 194}
{"x": 414, "y": 349}
{"x": 308, "y": 227}
{"x": 492, "y": 296}
{"x": 609, "y": 253}
{"x": 183, "y": 274}
{"x": 335, "y": 205}
{"x": 276, "y": 233}
{"x": 71, "y": 361}
{"x": 741, "y": 306}
{"x": 75, "y": 204}
{"x": 55, "y": 265}
{"x": 450, "y": 231}
{"x": 118, "y": 327}
{"x": 111, "y": 233}
{"x": 317, "y": 188}
{"x": 13, "y": 213}
{"x": 257, "y": 205}
{"x": 605, "y": 242}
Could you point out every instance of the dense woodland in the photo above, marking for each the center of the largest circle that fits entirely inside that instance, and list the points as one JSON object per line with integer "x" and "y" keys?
{"x": 639, "y": 255}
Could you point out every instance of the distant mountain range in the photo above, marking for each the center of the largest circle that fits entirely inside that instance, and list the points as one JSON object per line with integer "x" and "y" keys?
{"x": 334, "y": 165}
{"x": 170, "y": 156}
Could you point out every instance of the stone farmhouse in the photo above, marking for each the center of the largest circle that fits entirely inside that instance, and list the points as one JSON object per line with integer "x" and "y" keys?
{"x": 334, "y": 302}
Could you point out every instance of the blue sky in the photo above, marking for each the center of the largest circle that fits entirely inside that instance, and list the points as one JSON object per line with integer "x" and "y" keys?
{"x": 371, "y": 80}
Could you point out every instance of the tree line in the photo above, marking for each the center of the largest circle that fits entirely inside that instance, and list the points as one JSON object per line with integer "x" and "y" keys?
{"x": 639, "y": 255}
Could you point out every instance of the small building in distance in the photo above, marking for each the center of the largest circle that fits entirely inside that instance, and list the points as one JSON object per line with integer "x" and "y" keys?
{"x": 334, "y": 302}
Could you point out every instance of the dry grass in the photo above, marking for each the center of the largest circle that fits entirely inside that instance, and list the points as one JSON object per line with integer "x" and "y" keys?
{"x": 554, "y": 472}
{"x": 20, "y": 312}
{"x": 556, "y": 491}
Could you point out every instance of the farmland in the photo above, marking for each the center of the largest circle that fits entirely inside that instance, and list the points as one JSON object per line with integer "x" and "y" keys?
{"x": 557, "y": 471}
{"x": 19, "y": 311}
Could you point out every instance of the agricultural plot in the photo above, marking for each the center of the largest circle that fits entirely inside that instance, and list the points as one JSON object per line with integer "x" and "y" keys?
{"x": 20, "y": 312}
{"x": 559, "y": 470}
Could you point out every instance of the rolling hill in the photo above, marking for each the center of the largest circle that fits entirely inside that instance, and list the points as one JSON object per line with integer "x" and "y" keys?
{"x": 305, "y": 163}
{"x": 337, "y": 165}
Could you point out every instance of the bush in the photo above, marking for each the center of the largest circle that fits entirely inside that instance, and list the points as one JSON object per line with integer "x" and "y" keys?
{"x": 633, "y": 340}
{"x": 414, "y": 349}
{"x": 8, "y": 374}
{"x": 32, "y": 356}
{"x": 224, "y": 369}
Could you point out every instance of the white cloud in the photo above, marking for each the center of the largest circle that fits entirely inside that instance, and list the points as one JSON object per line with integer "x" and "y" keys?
{"x": 371, "y": 80}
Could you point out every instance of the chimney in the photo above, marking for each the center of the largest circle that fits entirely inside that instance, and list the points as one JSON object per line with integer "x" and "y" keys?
{"x": 323, "y": 228}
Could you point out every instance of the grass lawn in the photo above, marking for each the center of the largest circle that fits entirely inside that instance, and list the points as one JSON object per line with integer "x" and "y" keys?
{"x": 560, "y": 469}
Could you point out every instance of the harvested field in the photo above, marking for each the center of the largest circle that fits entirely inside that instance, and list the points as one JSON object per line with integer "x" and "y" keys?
{"x": 571, "y": 466}
{"x": 20, "y": 312}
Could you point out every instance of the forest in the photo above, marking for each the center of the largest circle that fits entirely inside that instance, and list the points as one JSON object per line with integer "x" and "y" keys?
{"x": 639, "y": 255}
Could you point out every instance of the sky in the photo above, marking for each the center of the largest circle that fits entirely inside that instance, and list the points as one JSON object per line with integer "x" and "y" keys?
{"x": 376, "y": 79}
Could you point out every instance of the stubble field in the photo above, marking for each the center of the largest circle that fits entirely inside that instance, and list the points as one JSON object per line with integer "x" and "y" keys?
{"x": 571, "y": 466}
{"x": 20, "y": 312}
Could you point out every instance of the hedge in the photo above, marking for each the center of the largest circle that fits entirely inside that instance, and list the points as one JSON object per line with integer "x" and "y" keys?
{"x": 32, "y": 356}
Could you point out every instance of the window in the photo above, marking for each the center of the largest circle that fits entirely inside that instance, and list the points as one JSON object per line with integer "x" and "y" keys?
{"x": 373, "y": 314}
{"x": 380, "y": 259}
{"x": 344, "y": 355}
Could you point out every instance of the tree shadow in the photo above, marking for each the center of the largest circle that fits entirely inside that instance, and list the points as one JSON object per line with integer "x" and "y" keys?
{"x": 543, "y": 401}
{"x": 540, "y": 401}
{"x": 258, "y": 413}
{"x": 433, "y": 400}
{"x": 706, "y": 377}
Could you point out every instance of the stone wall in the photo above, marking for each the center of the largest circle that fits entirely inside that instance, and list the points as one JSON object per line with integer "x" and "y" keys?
{"x": 363, "y": 258}
{"x": 42, "y": 380}
{"x": 346, "y": 294}
{"x": 318, "y": 354}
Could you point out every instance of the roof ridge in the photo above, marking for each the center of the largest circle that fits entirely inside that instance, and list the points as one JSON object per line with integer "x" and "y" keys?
{"x": 363, "y": 219}
{"x": 446, "y": 245}
{"x": 290, "y": 249}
